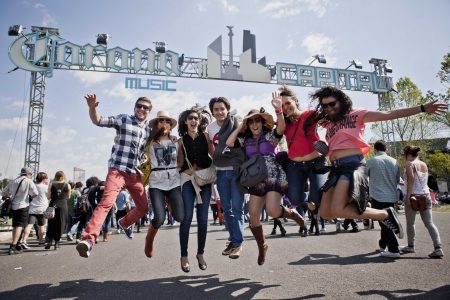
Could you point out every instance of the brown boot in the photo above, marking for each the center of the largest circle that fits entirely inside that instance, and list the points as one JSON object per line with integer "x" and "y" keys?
{"x": 106, "y": 236}
{"x": 293, "y": 215}
{"x": 261, "y": 241}
{"x": 149, "y": 240}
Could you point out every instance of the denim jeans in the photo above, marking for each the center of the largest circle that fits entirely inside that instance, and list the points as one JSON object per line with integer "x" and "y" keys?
{"x": 298, "y": 174}
{"x": 189, "y": 195}
{"x": 107, "y": 223}
{"x": 232, "y": 204}
{"x": 157, "y": 198}
{"x": 427, "y": 219}
{"x": 387, "y": 238}
{"x": 115, "y": 181}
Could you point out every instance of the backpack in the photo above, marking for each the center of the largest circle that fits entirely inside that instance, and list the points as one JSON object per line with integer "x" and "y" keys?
{"x": 82, "y": 204}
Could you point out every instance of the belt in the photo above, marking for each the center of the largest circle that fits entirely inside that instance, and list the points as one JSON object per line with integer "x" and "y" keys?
{"x": 163, "y": 169}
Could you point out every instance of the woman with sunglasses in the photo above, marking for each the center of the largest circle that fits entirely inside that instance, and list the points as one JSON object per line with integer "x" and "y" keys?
{"x": 164, "y": 178}
{"x": 345, "y": 193}
{"x": 259, "y": 138}
{"x": 194, "y": 154}
{"x": 304, "y": 160}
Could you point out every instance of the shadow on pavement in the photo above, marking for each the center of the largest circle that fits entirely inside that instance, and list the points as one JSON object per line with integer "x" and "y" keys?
{"x": 180, "y": 287}
{"x": 442, "y": 292}
{"x": 332, "y": 259}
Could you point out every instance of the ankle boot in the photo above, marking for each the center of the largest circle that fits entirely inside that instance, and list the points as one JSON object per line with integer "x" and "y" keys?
{"x": 105, "y": 236}
{"x": 149, "y": 240}
{"x": 283, "y": 231}
{"x": 261, "y": 241}
{"x": 293, "y": 215}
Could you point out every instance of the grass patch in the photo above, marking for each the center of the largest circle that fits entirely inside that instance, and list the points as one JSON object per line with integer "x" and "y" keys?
{"x": 442, "y": 208}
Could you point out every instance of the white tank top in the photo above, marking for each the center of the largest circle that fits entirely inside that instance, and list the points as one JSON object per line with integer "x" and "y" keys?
{"x": 420, "y": 181}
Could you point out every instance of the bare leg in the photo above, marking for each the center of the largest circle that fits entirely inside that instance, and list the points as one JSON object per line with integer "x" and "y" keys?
{"x": 26, "y": 232}
{"x": 273, "y": 200}
{"x": 254, "y": 207}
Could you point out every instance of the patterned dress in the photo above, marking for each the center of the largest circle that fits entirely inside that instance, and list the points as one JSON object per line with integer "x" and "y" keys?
{"x": 276, "y": 180}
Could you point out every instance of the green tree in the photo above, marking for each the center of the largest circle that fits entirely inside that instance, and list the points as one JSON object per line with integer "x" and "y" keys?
{"x": 440, "y": 164}
{"x": 444, "y": 77}
{"x": 415, "y": 127}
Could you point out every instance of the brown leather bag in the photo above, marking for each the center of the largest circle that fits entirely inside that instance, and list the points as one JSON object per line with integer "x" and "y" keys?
{"x": 419, "y": 202}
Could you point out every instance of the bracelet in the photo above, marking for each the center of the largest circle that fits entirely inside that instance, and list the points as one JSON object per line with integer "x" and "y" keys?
{"x": 422, "y": 108}
{"x": 278, "y": 111}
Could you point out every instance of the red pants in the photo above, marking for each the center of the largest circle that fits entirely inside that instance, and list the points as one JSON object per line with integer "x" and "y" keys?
{"x": 115, "y": 181}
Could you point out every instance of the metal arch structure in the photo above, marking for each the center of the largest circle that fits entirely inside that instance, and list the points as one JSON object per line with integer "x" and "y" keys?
{"x": 43, "y": 51}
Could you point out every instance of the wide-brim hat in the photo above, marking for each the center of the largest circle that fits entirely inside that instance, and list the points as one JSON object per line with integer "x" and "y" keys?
{"x": 268, "y": 119}
{"x": 162, "y": 114}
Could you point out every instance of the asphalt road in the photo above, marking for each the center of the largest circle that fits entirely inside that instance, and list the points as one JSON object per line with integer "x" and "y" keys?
{"x": 329, "y": 266}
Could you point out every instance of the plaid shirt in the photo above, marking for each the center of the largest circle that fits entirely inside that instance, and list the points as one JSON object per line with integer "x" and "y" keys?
{"x": 127, "y": 151}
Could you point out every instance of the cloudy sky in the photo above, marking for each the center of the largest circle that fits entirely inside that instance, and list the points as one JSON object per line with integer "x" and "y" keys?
{"x": 412, "y": 35}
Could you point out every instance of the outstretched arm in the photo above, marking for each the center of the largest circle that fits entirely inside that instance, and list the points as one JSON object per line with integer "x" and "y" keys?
{"x": 91, "y": 100}
{"x": 430, "y": 108}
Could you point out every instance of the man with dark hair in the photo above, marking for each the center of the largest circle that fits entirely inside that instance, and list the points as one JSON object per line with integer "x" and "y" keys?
{"x": 384, "y": 175}
{"x": 133, "y": 133}
{"x": 19, "y": 189}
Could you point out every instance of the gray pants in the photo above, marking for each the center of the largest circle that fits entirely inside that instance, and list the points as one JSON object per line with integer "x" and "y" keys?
{"x": 427, "y": 219}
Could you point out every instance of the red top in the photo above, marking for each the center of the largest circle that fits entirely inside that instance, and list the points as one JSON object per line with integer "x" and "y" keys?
{"x": 302, "y": 144}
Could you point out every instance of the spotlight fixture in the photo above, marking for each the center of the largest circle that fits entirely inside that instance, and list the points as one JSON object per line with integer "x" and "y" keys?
{"x": 160, "y": 47}
{"x": 320, "y": 58}
{"x": 356, "y": 63}
{"x": 103, "y": 39}
{"x": 15, "y": 30}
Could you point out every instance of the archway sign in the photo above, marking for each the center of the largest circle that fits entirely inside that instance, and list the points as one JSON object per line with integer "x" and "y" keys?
{"x": 43, "y": 50}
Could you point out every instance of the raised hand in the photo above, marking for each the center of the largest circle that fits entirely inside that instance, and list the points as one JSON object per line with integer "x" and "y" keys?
{"x": 276, "y": 100}
{"x": 91, "y": 100}
{"x": 435, "y": 108}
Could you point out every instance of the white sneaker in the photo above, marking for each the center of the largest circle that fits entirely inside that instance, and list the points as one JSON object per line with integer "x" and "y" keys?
{"x": 380, "y": 250}
{"x": 407, "y": 249}
{"x": 387, "y": 253}
{"x": 84, "y": 248}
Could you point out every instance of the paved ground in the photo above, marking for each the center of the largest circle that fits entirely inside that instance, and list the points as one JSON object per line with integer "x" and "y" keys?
{"x": 331, "y": 266}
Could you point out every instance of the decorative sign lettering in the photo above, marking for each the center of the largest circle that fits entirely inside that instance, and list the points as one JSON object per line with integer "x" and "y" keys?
{"x": 37, "y": 52}
{"x": 149, "y": 84}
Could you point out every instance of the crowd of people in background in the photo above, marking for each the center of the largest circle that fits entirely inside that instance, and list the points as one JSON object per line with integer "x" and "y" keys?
{"x": 311, "y": 179}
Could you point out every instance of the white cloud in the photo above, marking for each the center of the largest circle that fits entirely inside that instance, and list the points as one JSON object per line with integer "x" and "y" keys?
{"x": 287, "y": 8}
{"x": 126, "y": 95}
{"x": 201, "y": 7}
{"x": 12, "y": 123}
{"x": 320, "y": 43}
{"x": 229, "y": 7}
{"x": 88, "y": 79}
{"x": 47, "y": 17}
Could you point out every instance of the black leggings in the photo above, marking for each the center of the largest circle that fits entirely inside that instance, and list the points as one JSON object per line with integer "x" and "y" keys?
{"x": 175, "y": 201}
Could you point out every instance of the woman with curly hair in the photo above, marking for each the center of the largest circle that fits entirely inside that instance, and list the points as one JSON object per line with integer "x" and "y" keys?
{"x": 345, "y": 193}
{"x": 194, "y": 154}
{"x": 260, "y": 138}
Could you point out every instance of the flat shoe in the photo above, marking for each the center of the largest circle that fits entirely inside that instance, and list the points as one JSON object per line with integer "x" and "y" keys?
{"x": 200, "y": 265}
{"x": 185, "y": 268}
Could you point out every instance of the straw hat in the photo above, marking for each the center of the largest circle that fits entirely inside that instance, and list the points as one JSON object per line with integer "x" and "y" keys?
{"x": 268, "y": 119}
{"x": 162, "y": 114}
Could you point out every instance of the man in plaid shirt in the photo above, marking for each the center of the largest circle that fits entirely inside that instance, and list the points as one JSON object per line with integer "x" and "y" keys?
{"x": 133, "y": 133}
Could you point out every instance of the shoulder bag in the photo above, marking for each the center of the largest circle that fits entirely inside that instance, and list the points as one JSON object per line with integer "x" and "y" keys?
{"x": 254, "y": 170}
{"x": 204, "y": 176}
{"x": 6, "y": 206}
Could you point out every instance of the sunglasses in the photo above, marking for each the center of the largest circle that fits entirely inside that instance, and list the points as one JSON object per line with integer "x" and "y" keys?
{"x": 330, "y": 104}
{"x": 255, "y": 120}
{"x": 165, "y": 121}
{"x": 142, "y": 106}
{"x": 192, "y": 118}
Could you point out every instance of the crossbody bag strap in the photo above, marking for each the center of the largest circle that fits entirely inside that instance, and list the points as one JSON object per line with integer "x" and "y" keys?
{"x": 15, "y": 194}
{"x": 293, "y": 135}
{"x": 185, "y": 154}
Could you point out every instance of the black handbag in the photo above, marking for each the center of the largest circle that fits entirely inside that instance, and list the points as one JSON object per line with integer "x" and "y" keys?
{"x": 254, "y": 170}
{"x": 6, "y": 206}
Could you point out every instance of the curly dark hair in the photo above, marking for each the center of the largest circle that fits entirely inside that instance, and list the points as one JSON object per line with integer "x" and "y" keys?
{"x": 310, "y": 121}
{"x": 343, "y": 99}
{"x": 203, "y": 115}
{"x": 214, "y": 100}
{"x": 92, "y": 181}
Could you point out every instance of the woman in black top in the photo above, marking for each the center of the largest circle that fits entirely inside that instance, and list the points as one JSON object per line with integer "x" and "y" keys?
{"x": 58, "y": 192}
{"x": 194, "y": 144}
